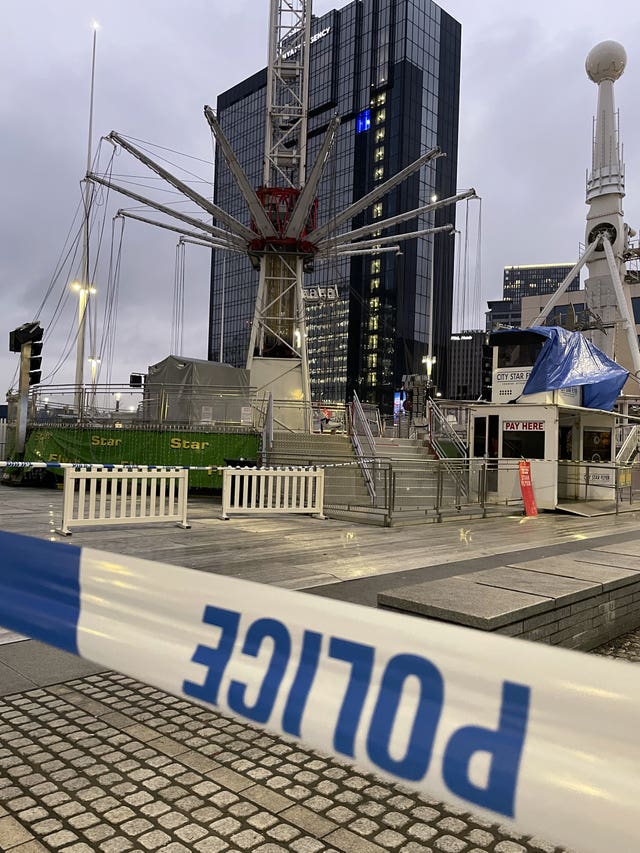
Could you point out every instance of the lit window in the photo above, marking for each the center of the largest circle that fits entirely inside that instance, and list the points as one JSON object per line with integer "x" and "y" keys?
{"x": 372, "y": 360}
{"x": 376, "y": 210}
{"x": 375, "y": 266}
{"x": 381, "y": 99}
{"x": 363, "y": 121}
{"x": 378, "y": 154}
{"x": 376, "y": 233}
{"x": 380, "y": 134}
{"x": 372, "y": 377}
{"x": 378, "y": 173}
{"x": 375, "y": 284}
{"x": 373, "y": 341}
{"x": 373, "y": 323}
{"x": 374, "y": 303}
{"x": 381, "y": 116}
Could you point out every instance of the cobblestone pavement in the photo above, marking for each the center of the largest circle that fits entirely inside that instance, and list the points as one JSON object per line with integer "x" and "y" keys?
{"x": 626, "y": 647}
{"x": 107, "y": 764}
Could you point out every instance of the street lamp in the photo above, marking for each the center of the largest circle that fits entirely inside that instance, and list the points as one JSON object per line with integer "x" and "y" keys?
{"x": 429, "y": 361}
{"x": 118, "y": 396}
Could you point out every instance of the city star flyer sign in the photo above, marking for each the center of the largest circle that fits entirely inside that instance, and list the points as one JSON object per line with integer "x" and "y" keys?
{"x": 539, "y": 738}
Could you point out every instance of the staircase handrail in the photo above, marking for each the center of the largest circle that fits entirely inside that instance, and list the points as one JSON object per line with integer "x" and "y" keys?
{"x": 365, "y": 450}
{"x": 437, "y": 421}
{"x": 267, "y": 431}
{"x": 436, "y": 417}
{"x": 631, "y": 443}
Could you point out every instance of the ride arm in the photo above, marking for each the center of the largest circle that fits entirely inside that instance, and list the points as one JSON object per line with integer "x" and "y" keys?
{"x": 374, "y": 195}
{"x": 236, "y": 227}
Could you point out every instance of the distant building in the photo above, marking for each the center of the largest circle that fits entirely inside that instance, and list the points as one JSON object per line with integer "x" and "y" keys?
{"x": 522, "y": 281}
{"x": 572, "y": 311}
{"x": 466, "y": 379}
{"x": 502, "y": 312}
{"x": 535, "y": 280}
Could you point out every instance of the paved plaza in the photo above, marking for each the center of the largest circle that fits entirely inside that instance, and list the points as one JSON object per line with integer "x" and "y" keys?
{"x": 96, "y": 761}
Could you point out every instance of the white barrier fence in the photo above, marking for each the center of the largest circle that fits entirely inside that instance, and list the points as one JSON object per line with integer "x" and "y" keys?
{"x": 124, "y": 496}
{"x": 267, "y": 491}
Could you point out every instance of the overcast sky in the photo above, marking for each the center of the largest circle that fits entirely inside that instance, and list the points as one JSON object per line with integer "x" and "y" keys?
{"x": 525, "y": 137}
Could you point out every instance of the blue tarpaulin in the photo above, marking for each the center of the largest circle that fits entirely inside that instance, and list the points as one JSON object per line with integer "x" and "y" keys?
{"x": 568, "y": 359}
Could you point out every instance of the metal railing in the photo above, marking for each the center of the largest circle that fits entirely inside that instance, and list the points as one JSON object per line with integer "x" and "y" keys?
{"x": 363, "y": 444}
{"x": 444, "y": 439}
{"x": 409, "y": 493}
{"x": 267, "y": 431}
{"x": 613, "y": 483}
{"x": 627, "y": 442}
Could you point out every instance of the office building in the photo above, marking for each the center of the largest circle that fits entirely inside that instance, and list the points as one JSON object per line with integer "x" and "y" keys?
{"x": 467, "y": 377}
{"x": 501, "y": 313}
{"x": 390, "y": 69}
{"x": 522, "y": 281}
{"x": 535, "y": 280}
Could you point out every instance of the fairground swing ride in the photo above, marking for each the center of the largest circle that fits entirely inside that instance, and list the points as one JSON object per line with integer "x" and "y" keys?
{"x": 283, "y": 238}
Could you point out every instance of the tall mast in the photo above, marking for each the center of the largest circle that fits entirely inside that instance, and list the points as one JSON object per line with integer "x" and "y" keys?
{"x": 606, "y": 295}
{"x": 85, "y": 289}
{"x": 277, "y": 354}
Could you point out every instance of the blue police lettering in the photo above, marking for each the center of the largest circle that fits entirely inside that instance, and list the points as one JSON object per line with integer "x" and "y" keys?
{"x": 299, "y": 693}
{"x": 361, "y": 659}
{"x": 415, "y": 763}
{"x": 260, "y": 630}
{"x": 216, "y": 659}
{"x": 503, "y": 745}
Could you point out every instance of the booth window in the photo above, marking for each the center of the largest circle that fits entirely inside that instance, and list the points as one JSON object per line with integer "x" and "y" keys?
{"x": 596, "y": 445}
{"x": 522, "y": 444}
{"x": 518, "y": 355}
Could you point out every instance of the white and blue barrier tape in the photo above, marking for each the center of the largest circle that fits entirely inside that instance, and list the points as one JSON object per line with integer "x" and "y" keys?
{"x": 115, "y": 466}
{"x": 540, "y": 738}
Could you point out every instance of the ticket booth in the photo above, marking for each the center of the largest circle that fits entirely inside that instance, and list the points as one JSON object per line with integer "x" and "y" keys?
{"x": 504, "y": 435}
{"x": 550, "y": 398}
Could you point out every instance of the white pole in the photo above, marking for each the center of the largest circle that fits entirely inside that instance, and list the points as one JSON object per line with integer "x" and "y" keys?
{"x": 84, "y": 283}
{"x": 224, "y": 276}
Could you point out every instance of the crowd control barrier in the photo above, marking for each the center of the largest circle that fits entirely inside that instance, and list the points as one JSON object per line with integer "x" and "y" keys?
{"x": 272, "y": 490}
{"x": 541, "y": 739}
{"x": 123, "y": 495}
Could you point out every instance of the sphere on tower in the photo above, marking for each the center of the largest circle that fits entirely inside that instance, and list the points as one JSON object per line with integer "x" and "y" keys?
{"x": 606, "y": 61}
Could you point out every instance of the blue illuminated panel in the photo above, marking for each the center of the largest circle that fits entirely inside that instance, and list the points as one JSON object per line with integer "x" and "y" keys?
{"x": 363, "y": 121}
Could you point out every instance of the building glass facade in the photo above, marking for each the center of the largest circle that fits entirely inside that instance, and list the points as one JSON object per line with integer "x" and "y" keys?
{"x": 390, "y": 69}
{"x": 535, "y": 280}
{"x": 522, "y": 281}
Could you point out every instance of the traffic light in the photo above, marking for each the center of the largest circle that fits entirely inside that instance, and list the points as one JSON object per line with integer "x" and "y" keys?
{"x": 35, "y": 363}
{"x": 27, "y": 340}
{"x": 25, "y": 334}
{"x": 487, "y": 371}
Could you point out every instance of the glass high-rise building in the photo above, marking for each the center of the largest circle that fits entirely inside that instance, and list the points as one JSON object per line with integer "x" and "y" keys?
{"x": 391, "y": 70}
{"x": 535, "y": 280}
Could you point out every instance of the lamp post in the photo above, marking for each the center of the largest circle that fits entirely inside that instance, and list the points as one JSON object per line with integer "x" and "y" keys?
{"x": 429, "y": 361}
{"x": 84, "y": 292}
{"x": 84, "y": 288}
{"x": 224, "y": 278}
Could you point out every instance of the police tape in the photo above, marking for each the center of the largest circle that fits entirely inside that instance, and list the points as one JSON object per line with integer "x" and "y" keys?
{"x": 545, "y": 740}
{"x": 116, "y": 466}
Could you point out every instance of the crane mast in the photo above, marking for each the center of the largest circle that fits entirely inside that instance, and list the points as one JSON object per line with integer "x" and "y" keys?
{"x": 277, "y": 354}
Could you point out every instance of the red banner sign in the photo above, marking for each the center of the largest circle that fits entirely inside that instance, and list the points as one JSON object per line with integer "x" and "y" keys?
{"x": 526, "y": 487}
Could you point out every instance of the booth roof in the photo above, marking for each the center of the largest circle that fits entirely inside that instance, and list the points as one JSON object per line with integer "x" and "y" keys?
{"x": 568, "y": 359}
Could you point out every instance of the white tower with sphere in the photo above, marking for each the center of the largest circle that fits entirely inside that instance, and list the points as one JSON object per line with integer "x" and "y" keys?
{"x": 605, "y": 190}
